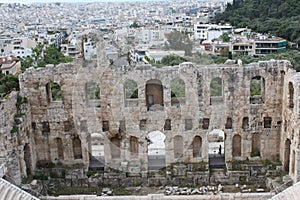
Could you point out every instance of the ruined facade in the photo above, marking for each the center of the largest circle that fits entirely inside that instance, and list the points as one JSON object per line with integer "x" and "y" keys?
{"x": 144, "y": 118}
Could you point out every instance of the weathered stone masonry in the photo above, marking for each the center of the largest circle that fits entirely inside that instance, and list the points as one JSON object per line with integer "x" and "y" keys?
{"x": 116, "y": 127}
{"x": 103, "y": 116}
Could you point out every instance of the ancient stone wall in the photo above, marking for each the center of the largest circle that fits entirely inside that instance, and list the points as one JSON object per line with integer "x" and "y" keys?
{"x": 117, "y": 127}
{"x": 17, "y": 145}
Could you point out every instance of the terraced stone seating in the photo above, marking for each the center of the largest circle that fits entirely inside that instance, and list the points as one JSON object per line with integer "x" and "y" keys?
{"x": 9, "y": 191}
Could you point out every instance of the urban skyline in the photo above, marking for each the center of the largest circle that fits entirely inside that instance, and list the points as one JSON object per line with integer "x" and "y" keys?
{"x": 62, "y": 1}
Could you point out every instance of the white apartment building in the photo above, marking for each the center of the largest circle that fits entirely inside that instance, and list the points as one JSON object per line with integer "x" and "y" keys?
{"x": 209, "y": 31}
{"x": 153, "y": 36}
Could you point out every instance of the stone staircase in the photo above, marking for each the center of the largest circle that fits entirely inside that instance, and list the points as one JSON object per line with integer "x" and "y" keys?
{"x": 290, "y": 193}
{"x": 9, "y": 191}
{"x": 218, "y": 176}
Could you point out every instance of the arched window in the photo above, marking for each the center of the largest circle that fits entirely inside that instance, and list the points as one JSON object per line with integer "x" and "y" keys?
{"x": 228, "y": 124}
{"x": 178, "y": 146}
{"x": 131, "y": 93}
{"x": 134, "y": 146}
{"x": 92, "y": 90}
{"x": 77, "y": 151}
{"x": 291, "y": 95}
{"x": 131, "y": 89}
{"x": 115, "y": 144}
{"x": 55, "y": 91}
{"x": 255, "y": 144}
{"x": 245, "y": 124}
{"x": 216, "y": 91}
{"x": 60, "y": 150}
{"x": 216, "y": 87}
{"x": 154, "y": 94}
{"x": 257, "y": 90}
{"x": 177, "y": 91}
{"x": 197, "y": 147}
{"x": 27, "y": 158}
{"x": 236, "y": 145}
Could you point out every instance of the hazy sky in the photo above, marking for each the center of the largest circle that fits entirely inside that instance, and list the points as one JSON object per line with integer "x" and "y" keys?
{"x": 47, "y": 1}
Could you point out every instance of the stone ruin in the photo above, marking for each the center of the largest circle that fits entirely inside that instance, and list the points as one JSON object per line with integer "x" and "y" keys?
{"x": 184, "y": 119}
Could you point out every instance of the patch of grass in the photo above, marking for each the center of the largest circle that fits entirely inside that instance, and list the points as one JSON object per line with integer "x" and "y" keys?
{"x": 90, "y": 173}
{"x": 267, "y": 162}
{"x": 42, "y": 177}
{"x": 68, "y": 190}
{"x": 137, "y": 183}
{"x": 121, "y": 191}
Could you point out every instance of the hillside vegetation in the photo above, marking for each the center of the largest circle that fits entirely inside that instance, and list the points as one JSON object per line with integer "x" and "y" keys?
{"x": 277, "y": 17}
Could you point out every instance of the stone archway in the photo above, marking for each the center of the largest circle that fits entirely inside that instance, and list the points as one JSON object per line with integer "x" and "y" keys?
{"x": 236, "y": 146}
{"x": 216, "y": 148}
{"x": 154, "y": 95}
{"x": 197, "y": 147}
{"x": 97, "y": 159}
{"x": 287, "y": 151}
{"x": 27, "y": 158}
{"x": 156, "y": 150}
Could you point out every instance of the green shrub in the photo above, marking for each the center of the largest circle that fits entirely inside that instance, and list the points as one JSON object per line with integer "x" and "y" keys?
{"x": 255, "y": 154}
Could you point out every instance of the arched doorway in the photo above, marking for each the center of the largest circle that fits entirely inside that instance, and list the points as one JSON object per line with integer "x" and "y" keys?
{"x": 156, "y": 150}
{"x": 197, "y": 147}
{"x": 236, "y": 146}
{"x": 60, "y": 149}
{"x": 115, "y": 147}
{"x": 27, "y": 158}
{"x": 287, "y": 151}
{"x": 178, "y": 146}
{"x": 134, "y": 146}
{"x": 77, "y": 151}
{"x": 216, "y": 148}
{"x": 97, "y": 160}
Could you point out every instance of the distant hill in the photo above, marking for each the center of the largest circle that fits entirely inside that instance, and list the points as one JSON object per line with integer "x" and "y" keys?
{"x": 277, "y": 17}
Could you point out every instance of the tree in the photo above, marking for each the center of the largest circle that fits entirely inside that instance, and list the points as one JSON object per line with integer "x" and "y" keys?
{"x": 8, "y": 83}
{"x": 180, "y": 41}
{"x": 52, "y": 55}
{"x": 225, "y": 37}
{"x": 278, "y": 17}
{"x": 172, "y": 59}
{"x": 134, "y": 25}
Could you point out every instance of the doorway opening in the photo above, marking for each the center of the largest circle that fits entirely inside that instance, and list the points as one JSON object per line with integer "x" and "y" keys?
{"x": 216, "y": 154}
{"x": 156, "y": 150}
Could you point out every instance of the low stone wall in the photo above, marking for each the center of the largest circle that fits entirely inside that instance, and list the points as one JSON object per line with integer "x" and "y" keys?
{"x": 223, "y": 196}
